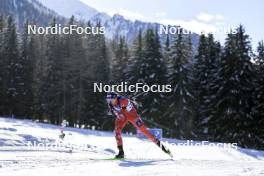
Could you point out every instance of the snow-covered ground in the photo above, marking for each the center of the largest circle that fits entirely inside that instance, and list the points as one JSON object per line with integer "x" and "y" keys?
{"x": 85, "y": 152}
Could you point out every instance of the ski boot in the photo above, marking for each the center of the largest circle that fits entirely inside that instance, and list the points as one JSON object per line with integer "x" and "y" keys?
{"x": 164, "y": 149}
{"x": 121, "y": 154}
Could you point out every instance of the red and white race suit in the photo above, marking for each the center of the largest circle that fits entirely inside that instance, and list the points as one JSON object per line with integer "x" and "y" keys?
{"x": 125, "y": 111}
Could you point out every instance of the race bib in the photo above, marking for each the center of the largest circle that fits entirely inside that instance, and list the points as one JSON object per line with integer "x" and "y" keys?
{"x": 129, "y": 106}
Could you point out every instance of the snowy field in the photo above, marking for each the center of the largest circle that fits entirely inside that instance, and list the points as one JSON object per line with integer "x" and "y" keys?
{"x": 85, "y": 152}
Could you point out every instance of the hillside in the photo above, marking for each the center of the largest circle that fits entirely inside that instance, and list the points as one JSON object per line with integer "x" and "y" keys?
{"x": 43, "y": 11}
{"x": 31, "y": 10}
{"x": 67, "y": 8}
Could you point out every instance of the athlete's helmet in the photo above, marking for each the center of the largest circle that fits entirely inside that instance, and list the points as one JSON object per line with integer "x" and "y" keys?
{"x": 110, "y": 96}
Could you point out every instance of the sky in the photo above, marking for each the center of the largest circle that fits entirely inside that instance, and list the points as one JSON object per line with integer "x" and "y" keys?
{"x": 195, "y": 15}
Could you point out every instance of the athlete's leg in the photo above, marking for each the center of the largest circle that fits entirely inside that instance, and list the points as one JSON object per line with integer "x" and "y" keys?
{"x": 139, "y": 124}
{"x": 119, "y": 125}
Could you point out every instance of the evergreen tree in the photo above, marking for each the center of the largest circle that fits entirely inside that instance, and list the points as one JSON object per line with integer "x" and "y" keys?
{"x": 1, "y": 23}
{"x": 120, "y": 60}
{"x": 205, "y": 66}
{"x": 150, "y": 70}
{"x": 96, "y": 107}
{"x": 167, "y": 49}
{"x": 102, "y": 71}
{"x": 132, "y": 72}
{"x": 259, "y": 97}
{"x": 27, "y": 59}
{"x": 260, "y": 54}
{"x": 52, "y": 86}
{"x": 200, "y": 66}
{"x": 69, "y": 75}
{"x": 2, "y": 74}
{"x": 180, "y": 108}
{"x": 209, "y": 99}
{"x": 12, "y": 69}
{"x": 233, "y": 119}
{"x": 38, "y": 52}
{"x": 77, "y": 72}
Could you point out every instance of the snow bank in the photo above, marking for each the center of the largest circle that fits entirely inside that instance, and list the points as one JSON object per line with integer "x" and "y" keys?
{"x": 143, "y": 157}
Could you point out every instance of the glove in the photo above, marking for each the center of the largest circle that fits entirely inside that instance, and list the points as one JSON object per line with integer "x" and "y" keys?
{"x": 109, "y": 112}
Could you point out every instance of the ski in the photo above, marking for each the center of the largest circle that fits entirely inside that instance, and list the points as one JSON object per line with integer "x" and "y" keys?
{"x": 108, "y": 159}
{"x": 113, "y": 159}
{"x": 128, "y": 159}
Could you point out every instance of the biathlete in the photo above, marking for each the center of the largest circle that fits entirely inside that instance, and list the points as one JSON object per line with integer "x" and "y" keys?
{"x": 125, "y": 111}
